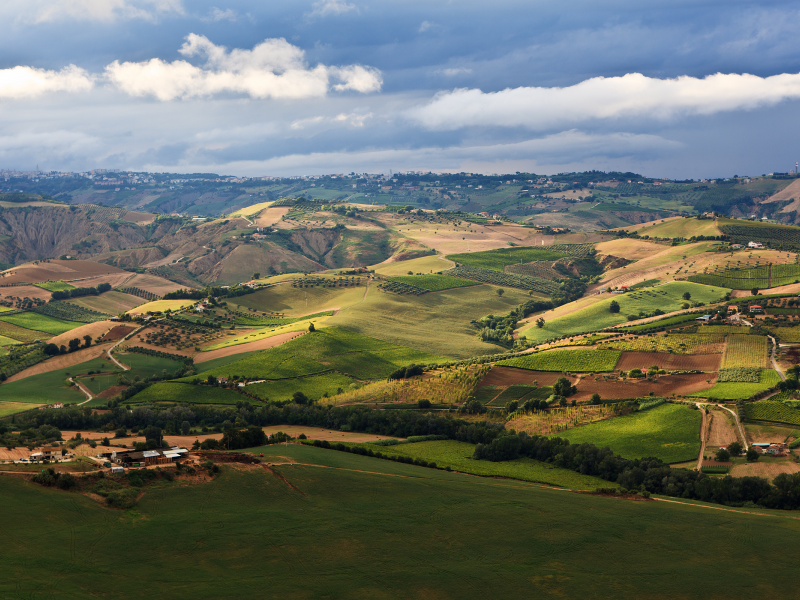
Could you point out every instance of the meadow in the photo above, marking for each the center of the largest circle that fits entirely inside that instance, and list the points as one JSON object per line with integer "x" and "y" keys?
{"x": 12, "y": 408}
{"x": 254, "y": 336}
{"x": 740, "y": 390}
{"x": 670, "y": 432}
{"x": 297, "y": 302}
{"x": 184, "y": 392}
{"x": 417, "y": 533}
{"x": 575, "y": 361}
{"x": 37, "y": 322}
{"x": 497, "y": 260}
{"x": 112, "y": 303}
{"x": 50, "y": 387}
{"x": 680, "y": 228}
{"x": 55, "y": 286}
{"x": 598, "y": 315}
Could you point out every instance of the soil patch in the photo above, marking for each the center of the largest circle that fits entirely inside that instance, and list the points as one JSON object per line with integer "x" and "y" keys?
{"x": 670, "y": 362}
{"x": 112, "y": 391}
{"x": 504, "y": 376}
{"x": 722, "y": 431}
{"x": 117, "y": 333}
{"x": 95, "y": 330}
{"x": 262, "y": 344}
{"x": 769, "y": 470}
{"x": 54, "y": 270}
{"x": 665, "y": 385}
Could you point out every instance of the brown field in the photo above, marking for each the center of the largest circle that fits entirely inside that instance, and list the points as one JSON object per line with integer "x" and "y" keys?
{"x": 505, "y": 376}
{"x": 25, "y": 291}
{"x": 647, "y": 224}
{"x": 270, "y": 216}
{"x": 790, "y": 192}
{"x": 140, "y": 218}
{"x": 722, "y": 431}
{"x": 262, "y": 344}
{"x": 792, "y": 288}
{"x": 157, "y": 285}
{"x": 757, "y": 432}
{"x": 95, "y": 330}
{"x": 117, "y": 333}
{"x": 770, "y": 470}
{"x": 665, "y": 385}
{"x": 112, "y": 302}
{"x": 630, "y": 249}
{"x": 61, "y": 362}
{"x": 112, "y": 391}
{"x": 168, "y": 348}
{"x": 670, "y": 362}
{"x": 54, "y": 270}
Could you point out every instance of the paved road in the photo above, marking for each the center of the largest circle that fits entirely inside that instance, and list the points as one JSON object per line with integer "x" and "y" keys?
{"x": 127, "y": 337}
{"x": 84, "y": 389}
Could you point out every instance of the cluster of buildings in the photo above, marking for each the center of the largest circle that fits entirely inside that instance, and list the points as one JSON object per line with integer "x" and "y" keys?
{"x": 145, "y": 458}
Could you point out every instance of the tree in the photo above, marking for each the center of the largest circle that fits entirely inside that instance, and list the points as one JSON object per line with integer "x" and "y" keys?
{"x": 735, "y": 449}
{"x": 540, "y": 322}
{"x": 186, "y": 427}
{"x": 300, "y": 398}
{"x": 424, "y": 404}
{"x": 151, "y": 432}
{"x": 256, "y": 275}
{"x": 752, "y": 455}
{"x": 687, "y": 296}
{"x": 754, "y": 291}
{"x": 563, "y": 387}
{"x": 512, "y": 406}
{"x": 614, "y": 306}
{"x": 74, "y": 344}
{"x": 595, "y": 399}
{"x": 723, "y": 455}
{"x": 51, "y": 350}
{"x": 500, "y": 291}
{"x": 311, "y": 328}
{"x": 87, "y": 340}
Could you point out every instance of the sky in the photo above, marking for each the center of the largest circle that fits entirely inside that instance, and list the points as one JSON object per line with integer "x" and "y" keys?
{"x": 676, "y": 89}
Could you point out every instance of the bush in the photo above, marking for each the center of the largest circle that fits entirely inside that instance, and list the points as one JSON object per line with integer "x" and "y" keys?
{"x": 123, "y": 498}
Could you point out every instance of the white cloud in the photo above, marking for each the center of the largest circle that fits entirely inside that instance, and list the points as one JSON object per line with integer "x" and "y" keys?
{"x": 273, "y": 69}
{"x": 424, "y": 26}
{"x": 453, "y": 71}
{"x": 42, "y": 11}
{"x": 326, "y": 8}
{"x": 217, "y": 14}
{"x": 28, "y": 82}
{"x": 629, "y": 96}
{"x": 351, "y": 119}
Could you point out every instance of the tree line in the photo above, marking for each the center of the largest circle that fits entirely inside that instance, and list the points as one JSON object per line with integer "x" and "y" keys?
{"x": 79, "y": 292}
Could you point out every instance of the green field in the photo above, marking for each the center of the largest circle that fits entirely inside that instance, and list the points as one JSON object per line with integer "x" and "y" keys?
{"x": 48, "y": 388}
{"x": 55, "y": 286}
{"x": 497, "y": 260}
{"x": 665, "y": 323}
{"x": 296, "y": 302}
{"x": 670, "y": 432}
{"x": 436, "y": 323}
{"x": 144, "y": 365}
{"x": 667, "y": 297}
{"x": 183, "y": 392}
{"x": 313, "y": 386}
{"x": 769, "y": 410}
{"x": 757, "y": 277}
{"x": 576, "y": 361}
{"x": 745, "y": 351}
{"x": 20, "y": 334}
{"x": 12, "y": 408}
{"x": 6, "y": 341}
{"x": 37, "y": 322}
{"x": 416, "y": 533}
{"x": 740, "y": 391}
{"x": 275, "y": 321}
{"x": 434, "y": 283}
{"x": 329, "y": 349}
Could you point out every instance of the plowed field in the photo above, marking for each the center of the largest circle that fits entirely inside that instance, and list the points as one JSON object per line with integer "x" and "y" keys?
{"x": 666, "y": 385}
{"x": 677, "y": 362}
{"x": 722, "y": 431}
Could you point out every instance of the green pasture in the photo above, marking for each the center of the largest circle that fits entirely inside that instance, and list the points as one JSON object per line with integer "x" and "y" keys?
{"x": 7, "y": 341}
{"x": 329, "y": 349}
{"x": 145, "y": 365}
{"x": 313, "y": 386}
{"x": 184, "y": 392}
{"x": 576, "y": 361}
{"x": 417, "y": 533}
{"x": 20, "y": 334}
{"x": 739, "y": 390}
{"x": 253, "y": 321}
{"x": 436, "y": 323}
{"x": 297, "y": 302}
{"x": 496, "y": 260}
{"x": 667, "y": 297}
{"x": 37, "y": 322}
{"x": 12, "y": 408}
{"x": 223, "y": 360}
{"x": 55, "y": 286}
{"x": 51, "y": 387}
{"x": 434, "y": 283}
{"x": 670, "y": 432}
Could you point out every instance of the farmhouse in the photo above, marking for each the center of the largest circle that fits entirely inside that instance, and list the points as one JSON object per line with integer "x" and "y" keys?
{"x": 49, "y": 455}
{"x": 146, "y": 458}
{"x": 704, "y": 318}
{"x": 755, "y": 245}
{"x": 755, "y": 308}
{"x": 732, "y": 309}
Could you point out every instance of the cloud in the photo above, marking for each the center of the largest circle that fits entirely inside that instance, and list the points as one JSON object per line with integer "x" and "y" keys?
{"x": 453, "y": 72}
{"x": 351, "y": 119}
{"x": 217, "y": 14}
{"x": 326, "y": 8}
{"x": 28, "y": 82}
{"x": 273, "y": 69}
{"x": 101, "y": 10}
{"x": 424, "y": 26}
{"x": 630, "y": 96}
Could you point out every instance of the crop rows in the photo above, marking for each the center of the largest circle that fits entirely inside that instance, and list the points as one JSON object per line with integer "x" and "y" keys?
{"x": 745, "y": 351}
{"x": 327, "y": 282}
{"x": 70, "y": 312}
{"x": 496, "y": 260}
{"x": 774, "y": 236}
{"x": 135, "y": 291}
{"x": 786, "y": 334}
{"x": 765, "y": 276}
{"x": 772, "y": 411}
{"x": 541, "y": 269}
{"x": 522, "y": 282}
{"x": 575, "y": 361}
{"x": 680, "y": 343}
{"x": 740, "y": 374}
{"x": 402, "y": 288}
{"x": 555, "y": 420}
{"x": 575, "y": 250}
{"x": 741, "y": 390}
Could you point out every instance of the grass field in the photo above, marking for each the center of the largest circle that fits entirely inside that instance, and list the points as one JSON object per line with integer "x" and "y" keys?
{"x": 55, "y": 286}
{"x": 745, "y": 351}
{"x": 768, "y": 410}
{"x": 7, "y": 341}
{"x": 20, "y": 334}
{"x": 161, "y": 306}
{"x": 436, "y": 323}
{"x": 738, "y": 390}
{"x": 458, "y": 456}
{"x": 112, "y": 303}
{"x": 144, "y": 365}
{"x": 12, "y": 408}
{"x": 426, "y": 264}
{"x": 434, "y": 283}
{"x": 681, "y": 228}
{"x": 297, "y": 302}
{"x": 576, "y": 361}
{"x": 496, "y": 260}
{"x": 313, "y": 386}
{"x": 254, "y": 336}
{"x": 670, "y": 432}
{"x": 417, "y": 533}
{"x": 184, "y": 392}
{"x": 328, "y": 349}
{"x": 37, "y": 322}
{"x": 51, "y": 387}
{"x": 667, "y": 297}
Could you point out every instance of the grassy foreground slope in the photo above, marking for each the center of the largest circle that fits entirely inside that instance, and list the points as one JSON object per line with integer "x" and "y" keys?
{"x": 419, "y": 533}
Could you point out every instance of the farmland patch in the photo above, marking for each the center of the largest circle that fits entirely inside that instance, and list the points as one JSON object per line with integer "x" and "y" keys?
{"x": 670, "y": 362}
